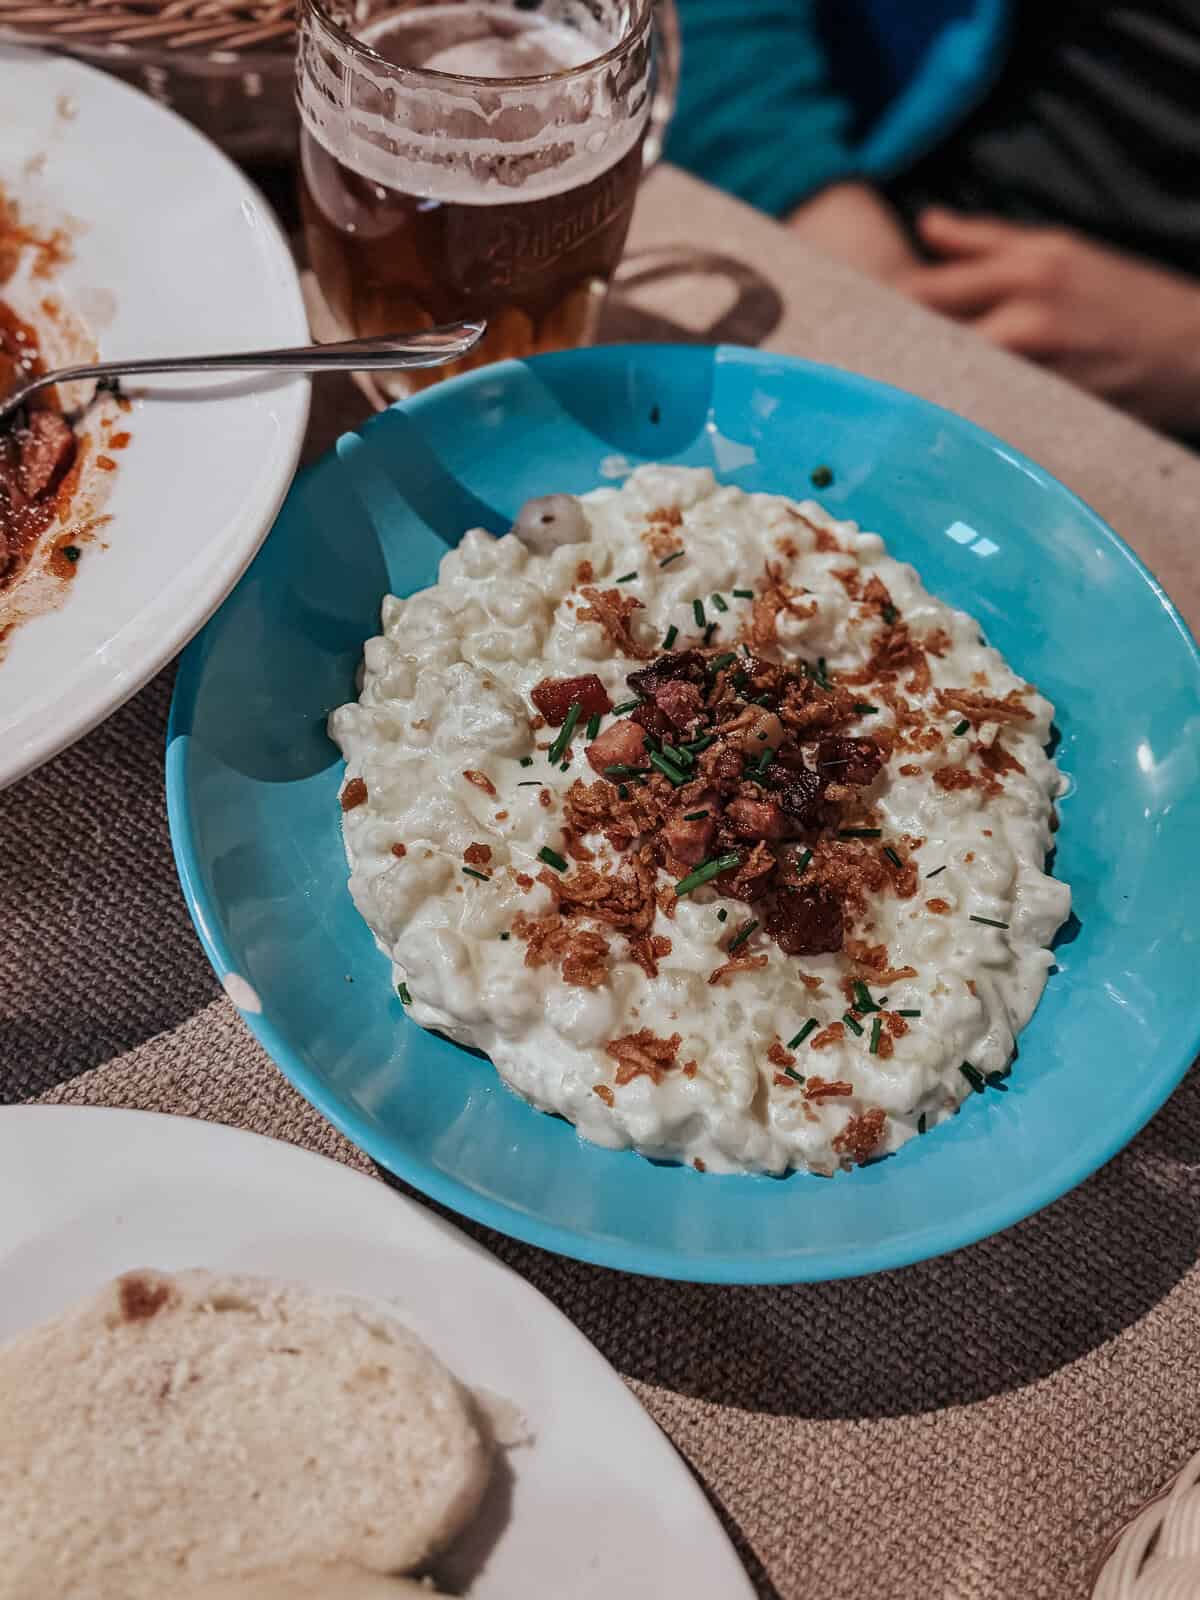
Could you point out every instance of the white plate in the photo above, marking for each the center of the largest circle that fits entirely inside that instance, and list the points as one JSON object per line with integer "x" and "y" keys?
{"x": 601, "y": 1505}
{"x": 175, "y": 253}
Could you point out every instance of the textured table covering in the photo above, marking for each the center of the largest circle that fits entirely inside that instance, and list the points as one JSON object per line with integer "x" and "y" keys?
{"x": 969, "y": 1427}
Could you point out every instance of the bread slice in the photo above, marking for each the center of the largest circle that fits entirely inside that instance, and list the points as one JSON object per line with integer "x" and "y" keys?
{"x": 177, "y": 1429}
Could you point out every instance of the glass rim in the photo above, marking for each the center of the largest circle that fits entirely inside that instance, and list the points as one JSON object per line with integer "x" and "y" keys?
{"x": 643, "y": 16}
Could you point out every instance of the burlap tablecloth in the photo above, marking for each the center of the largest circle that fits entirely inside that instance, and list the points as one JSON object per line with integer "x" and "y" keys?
{"x": 969, "y": 1427}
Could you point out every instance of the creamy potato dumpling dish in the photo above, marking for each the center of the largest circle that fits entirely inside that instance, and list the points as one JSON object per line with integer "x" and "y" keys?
{"x": 698, "y": 814}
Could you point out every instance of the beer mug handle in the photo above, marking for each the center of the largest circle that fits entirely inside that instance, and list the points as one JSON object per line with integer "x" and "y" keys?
{"x": 667, "y": 52}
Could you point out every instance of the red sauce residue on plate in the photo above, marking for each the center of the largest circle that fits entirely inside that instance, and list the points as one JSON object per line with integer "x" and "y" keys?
{"x": 36, "y": 456}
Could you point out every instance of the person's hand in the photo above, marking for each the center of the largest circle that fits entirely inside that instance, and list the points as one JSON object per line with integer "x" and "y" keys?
{"x": 1122, "y": 328}
{"x": 852, "y": 223}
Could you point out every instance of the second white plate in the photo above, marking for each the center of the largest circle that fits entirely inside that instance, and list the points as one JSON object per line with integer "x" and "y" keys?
{"x": 599, "y": 1505}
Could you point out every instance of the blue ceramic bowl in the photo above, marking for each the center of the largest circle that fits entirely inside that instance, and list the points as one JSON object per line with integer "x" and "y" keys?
{"x": 253, "y": 781}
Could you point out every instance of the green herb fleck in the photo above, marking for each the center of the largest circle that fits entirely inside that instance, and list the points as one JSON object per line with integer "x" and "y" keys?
{"x": 809, "y": 1027}
{"x": 860, "y": 833}
{"x": 667, "y": 560}
{"x": 908, "y": 1013}
{"x": 626, "y": 577}
{"x": 876, "y": 1030}
{"x": 698, "y": 613}
{"x": 705, "y": 873}
{"x": 694, "y": 816}
{"x": 935, "y": 872}
{"x": 714, "y": 666}
{"x": 821, "y": 477}
{"x": 865, "y": 710}
{"x": 709, "y": 631}
{"x": 796, "y": 1077}
{"x": 722, "y": 914}
{"x": 626, "y": 705}
{"x": 552, "y": 858}
{"x": 921, "y": 1123}
{"x": 862, "y": 997}
{"x": 890, "y": 614}
{"x": 743, "y": 594}
{"x": 593, "y": 727}
{"x": 405, "y": 997}
{"x": 962, "y": 727}
{"x": 668, "y": 768}
{"x": 742, "y": 934}
{"x": 696, "y": 745}
{"x": 892, "y": 856}
{"x": 526, "y": 761}
{"x": 482, "y": 876}
{"x": 995, "y": 1080}
{"x": 623, "y": 791}
{"x": 988, "y": 922}
{"x": 622, "y": 769}
{"x": 555, "y": 753}
{"x": 672, "y": 635}
{"x": 719, "y": 601}
{"x": 973, "y": 1076}
{"x": 852, "y": 1024}
{"x": 801, "y": 861}
{"x": 72, "y": 552}
{"x": 530, "y": 783}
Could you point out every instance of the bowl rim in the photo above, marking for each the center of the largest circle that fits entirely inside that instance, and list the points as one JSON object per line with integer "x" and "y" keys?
{"x": 946, "y": 1236}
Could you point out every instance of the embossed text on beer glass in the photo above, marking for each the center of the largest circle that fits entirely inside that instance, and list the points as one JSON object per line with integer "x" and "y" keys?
{"x": 477, "y": 158}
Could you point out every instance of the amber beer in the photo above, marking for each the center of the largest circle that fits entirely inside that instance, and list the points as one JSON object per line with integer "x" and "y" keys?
{"x": 525, "y": 228}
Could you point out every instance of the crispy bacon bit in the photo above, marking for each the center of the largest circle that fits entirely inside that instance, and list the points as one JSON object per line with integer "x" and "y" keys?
{"x": 502, "y": 816}
{"x": 801, "y": 794}
{"x": 691, "y": 842}
{"x": 876, "y": 598}
{"x": 825, "y": 541}
{"x": 850, "y": 579}
{"x": 827, "y": 1036}
{"x": 807, "y": 920}
{"x": 690, "y": 1068}
{"x": 895, "y": 1024}
{"x": 788, "y": 548}
{"x": 810, "y": 981}
{"x": 698, "y": 1163}
{"x": 775, "y": 596}
{"x": 647, "y": 949}
{"x": 552, "y": 941}
{"x": 612, "y": 610}
{"x": 780, "y": 1056}
{"x": 910, "y": 771}
{"x": 575, "y": 847}
{"x": 642, "y": 1054}
{"x": 996, "y": 759}
{"x": 399, "y": 851}
{"x": 936, "y": 642}
{"x": 861, "y": 1136}
{"x": 545, "y": 798}
{"x": 605, "y": 1093}
{"x": 938, "y": 906}
{"x": 855, "y": 761}
{"x": 585, "y": 962}
{"x": 737, "y": 964}
{"x": 983, "y": 707}
{"x": 755, "y": 819}
{"x": 782, "y": 1081}
{"x": 481, "y": 781}
{"x": 951, "y": 778}
{"x": 477, "y": 855}
{"x": 354, "y": 794}
{"x": 623, "y": 744}
{"x": 554, "y": 697}
{"x": 524, "y": 882}
{"x": 887, "y": 1048}
{"x": 818, "y": 1088}
{"x": 680, "y": 703}
{"x": 584, "y": 572}
{"x": 751, "y": 879}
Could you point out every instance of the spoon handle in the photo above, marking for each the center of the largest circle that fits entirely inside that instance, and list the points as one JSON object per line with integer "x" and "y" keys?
{"x": 432, "y": 347}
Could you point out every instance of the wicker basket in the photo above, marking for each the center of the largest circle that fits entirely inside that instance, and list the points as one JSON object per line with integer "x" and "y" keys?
{"x": 1156, "y": 1556}
{"x": 226, "y": 65}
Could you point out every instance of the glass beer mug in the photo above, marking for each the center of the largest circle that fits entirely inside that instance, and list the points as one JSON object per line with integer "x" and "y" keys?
{"x": 477, "y": 158}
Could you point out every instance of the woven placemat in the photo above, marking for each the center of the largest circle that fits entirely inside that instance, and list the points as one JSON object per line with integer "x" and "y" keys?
{"x": 975, "y": 1426}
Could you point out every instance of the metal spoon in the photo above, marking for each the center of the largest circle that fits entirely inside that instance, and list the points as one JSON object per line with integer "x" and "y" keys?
{"x": 386, "y": 352}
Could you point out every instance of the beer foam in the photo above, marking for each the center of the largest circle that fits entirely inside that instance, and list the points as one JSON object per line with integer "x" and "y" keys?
{"x": 420, "y": 157}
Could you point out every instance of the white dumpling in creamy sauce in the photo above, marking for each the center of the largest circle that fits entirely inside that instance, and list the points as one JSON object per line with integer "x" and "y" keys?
{"x": 545, "y": 524}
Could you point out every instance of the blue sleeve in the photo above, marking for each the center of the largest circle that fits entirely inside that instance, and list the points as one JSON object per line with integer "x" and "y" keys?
{"x": 757, "y": 113}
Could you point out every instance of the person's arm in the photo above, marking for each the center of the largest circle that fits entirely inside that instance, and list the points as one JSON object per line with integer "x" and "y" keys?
{"x": 1120, "y": 327}
{"x": 855, "y": 224}
{"x": 757, "y": 113}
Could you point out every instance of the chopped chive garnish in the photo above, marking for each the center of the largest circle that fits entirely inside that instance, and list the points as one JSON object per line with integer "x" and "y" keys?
{"x": 743, "y": 594}
{"x": 722, "y": 660}
{"x": 626, "y": 577}
{"x": 564, "y": 766}
{"x": 995, "y": 1080}
{"x": 973, "y": 1076}
{"x": 668, "y": 768}
{"x": 742, "y": 934}
{"x": 698, "y": 613}
{"x": 892, "y": 856}
{"x": 864, "y": 710}
{"x": 626, "y": 705}
{"x": 744, "y": 648}
{"x": 719, "y": 601}
{"x": 988, "y": 922}
{"x": 667, "y": 560}
{"x": 72, "y": 552}
{"x": 709, "y": 870}
{"x": 506, "y": 935}
{"x": 530, "y": 783}
{"x": 818, "y": 673}
{"x": 890, "y": 614}
{"x": 908, "y": 1013}
{"x": 796, "y": 1077}
{"x": 526, "y": 761}
{"x": 593, "y": 727}
{"x": 622, "y": 770}
{"x": 862, "y": 997}
{"x": 709, "y": 631}
{"x": 694, "y": 816}
{"x": 935, "y": 872}
{"x": 552, "y": 858}
{"x": 555, "y": 753}
{"x": 765, "y": 760}
{"x": 482, "y": 876}
{"x": 722, "y": 914}
{"x": 802, "y": 861}
{"x": 921, "y": 1123}
{"x": 672, "y": 635}
{"x": 962, "y": 727}
{"x": 405, "y": 997}
{"x": 696, "y": 745}
{"x": 860, "y": 833}
{"x": 682, "y": 758}
{"x": 799, "y": 1038}
{"x": 821, "y": 477}
{"x": 876, "y": 1030}
{"x": 623, "y": 791}
{"x": 852, "y": 1024}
